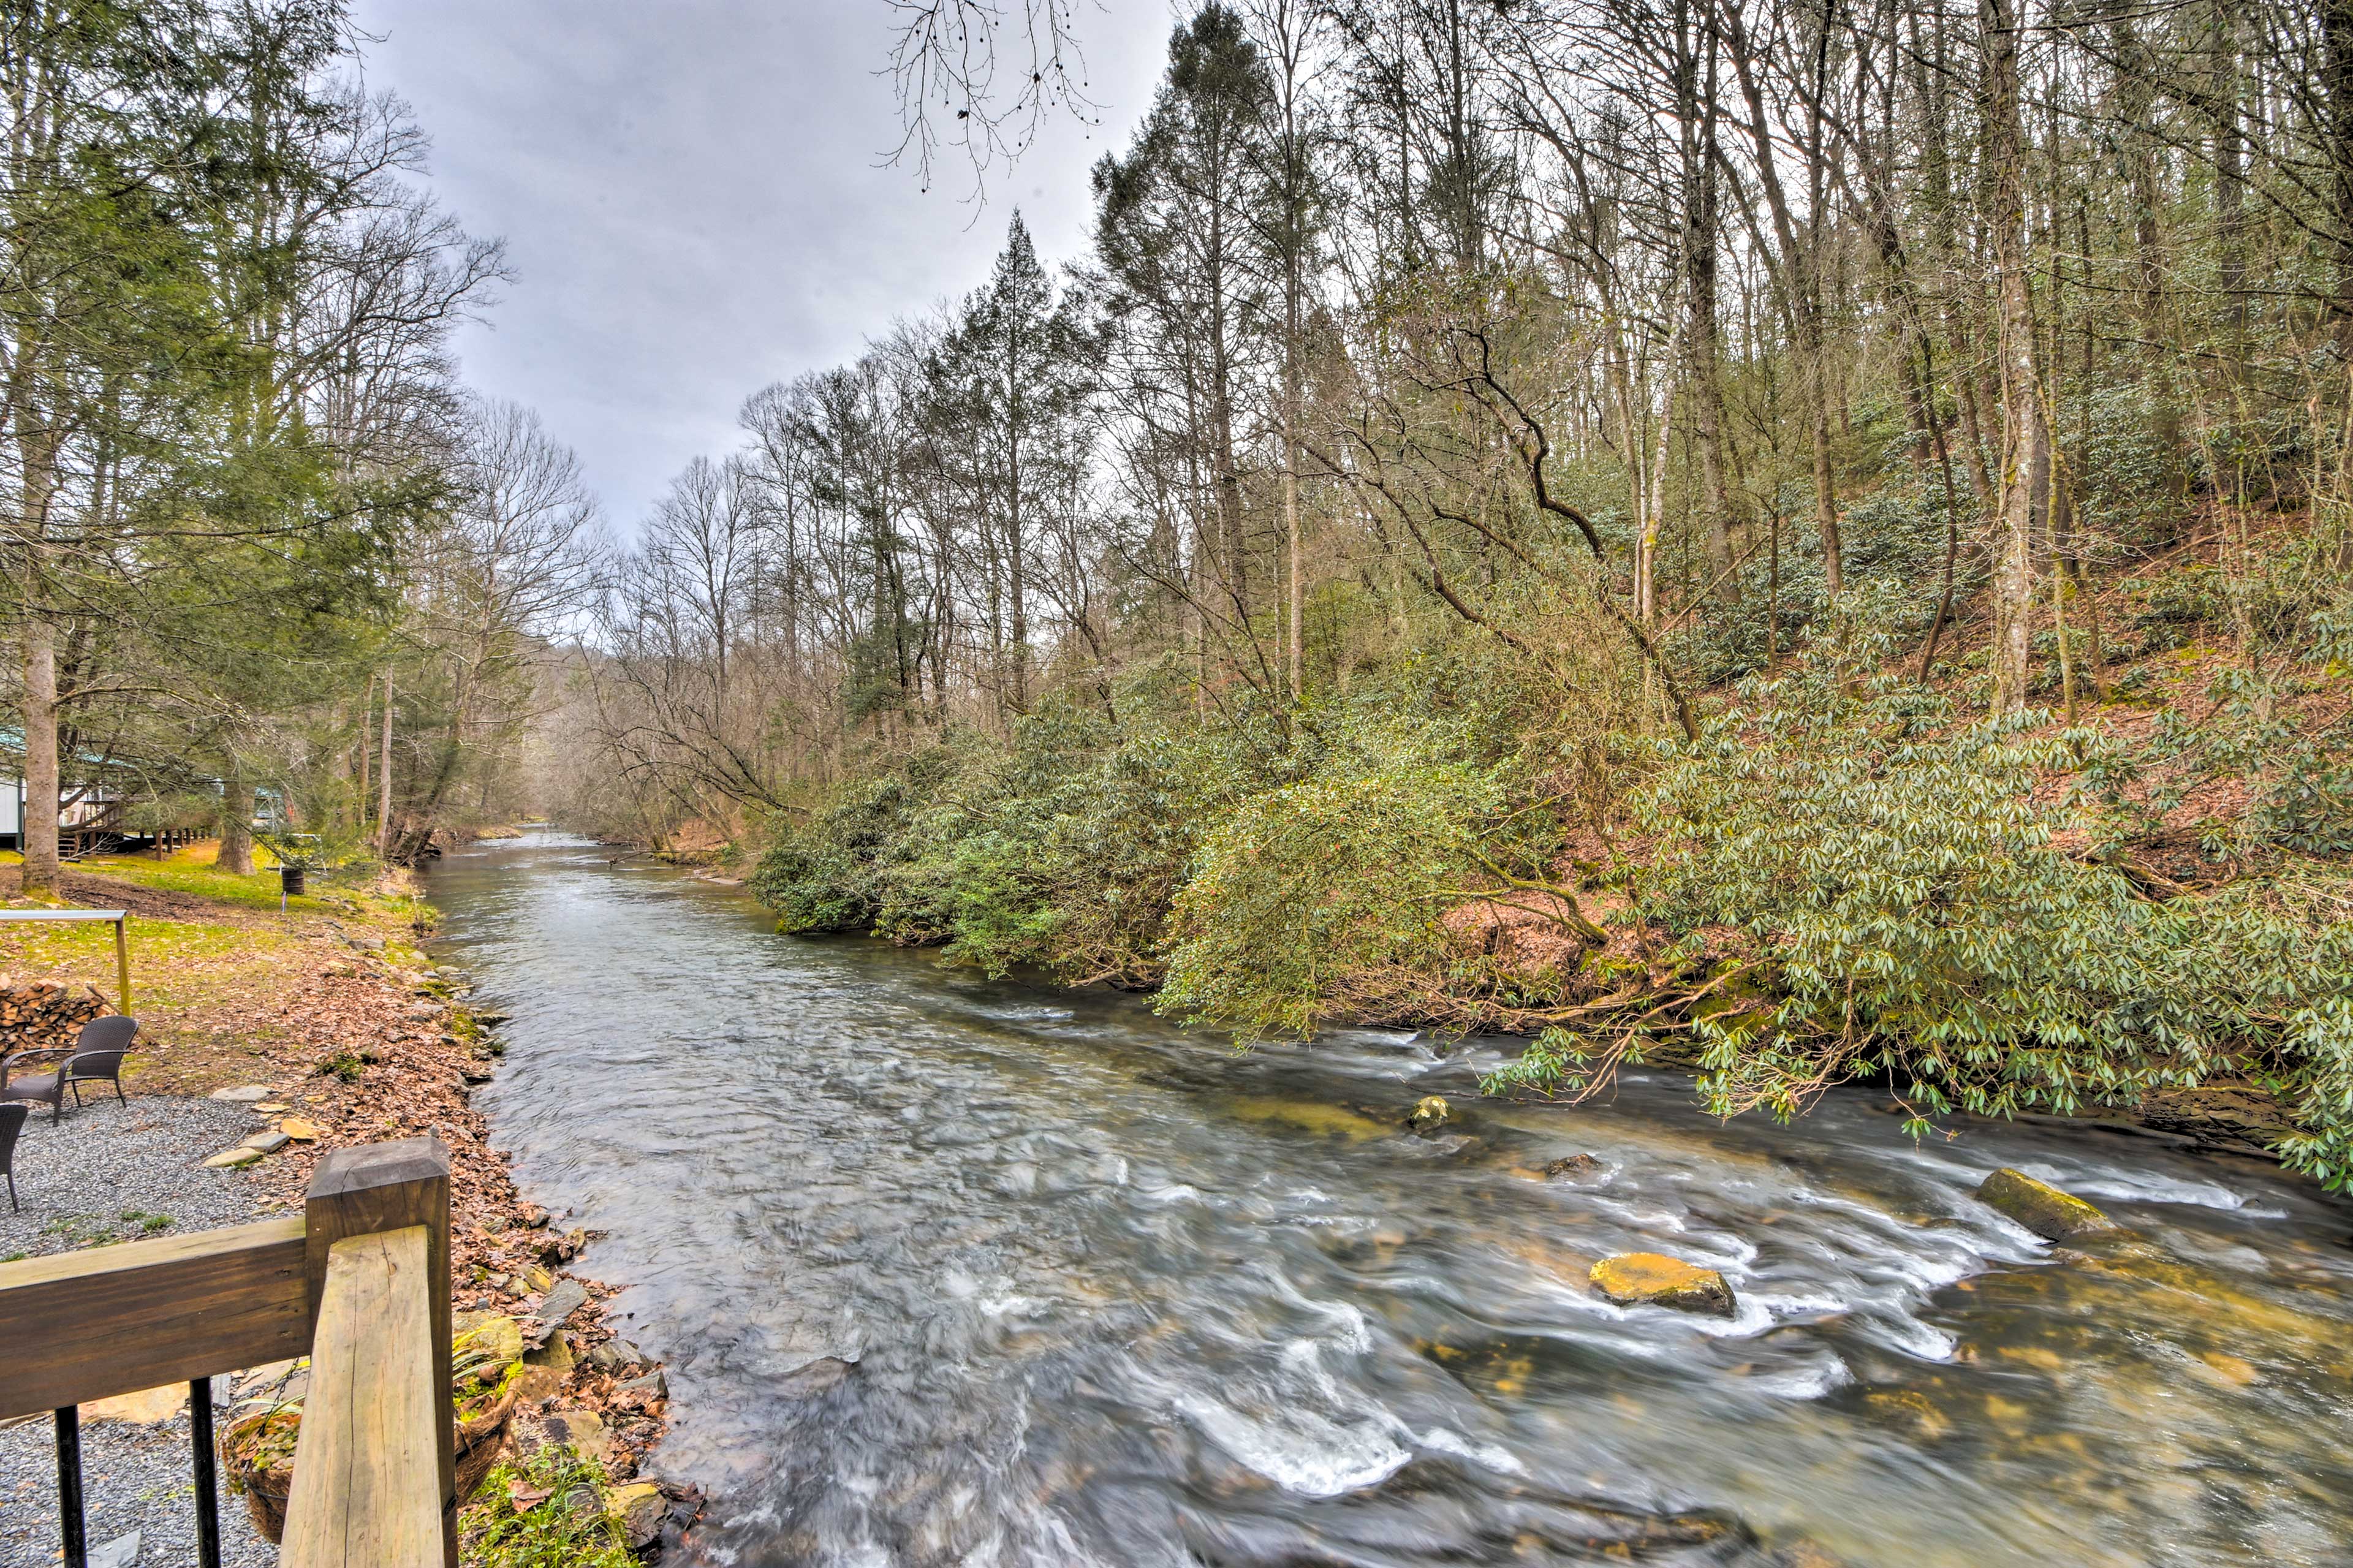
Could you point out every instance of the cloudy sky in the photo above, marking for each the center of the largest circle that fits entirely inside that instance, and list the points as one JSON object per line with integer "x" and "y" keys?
{"x": 693, "y": 201}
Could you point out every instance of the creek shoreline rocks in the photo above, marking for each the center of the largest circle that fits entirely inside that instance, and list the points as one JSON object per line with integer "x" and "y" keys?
{"x": 508, "y": 1255}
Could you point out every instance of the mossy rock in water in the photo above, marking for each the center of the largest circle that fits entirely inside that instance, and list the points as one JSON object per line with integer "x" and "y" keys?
{"x": 1430, "y": 1113}
{"x": 1653, "y": 1279}
{"x": 2042, "y": 1208}
{"x": 638, "y": 1511}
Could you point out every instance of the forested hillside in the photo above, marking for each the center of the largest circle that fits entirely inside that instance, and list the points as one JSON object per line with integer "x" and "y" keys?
{"x": 1812, "y": 536}
{"x": 266, "y": 558}
{"x": 1816, "y": 533}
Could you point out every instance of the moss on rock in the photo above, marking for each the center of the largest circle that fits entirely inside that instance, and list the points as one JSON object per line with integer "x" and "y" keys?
{"x": 2042, "y": 1208}
{"x": 1653, "y": 1279}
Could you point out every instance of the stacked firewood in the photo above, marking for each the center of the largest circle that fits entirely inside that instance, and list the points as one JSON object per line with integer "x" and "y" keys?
{"x": 37, "y": 1013}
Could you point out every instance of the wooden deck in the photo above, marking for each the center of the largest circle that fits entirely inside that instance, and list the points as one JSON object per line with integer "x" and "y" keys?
{"x": 360, "y": 1284}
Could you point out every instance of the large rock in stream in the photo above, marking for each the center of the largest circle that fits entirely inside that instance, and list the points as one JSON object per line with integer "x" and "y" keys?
{"x": 1654, "y": 1279}
{"x": 2042, "y": 1208}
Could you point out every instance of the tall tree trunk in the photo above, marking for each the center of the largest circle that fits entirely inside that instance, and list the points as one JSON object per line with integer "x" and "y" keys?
{"x": 1016, "y": 556}
{"x": 1702, "y": 217}
{"x": 1798, "y": 267}
{"x": 1297, "y": 607}
{"x": 1296, "y": 604}
{"x": 235, "y": 854}
{"x": 39, "y": 838}
{"x": 367, "y": 711}
{"x": 2229, "y": 182}
{"x": 2337, "y": 28}
{"x": 2025, "y": 437}
{"x": 1965, "y": 387}
{"x": 1826, "y": 517}
{"x": 37, "y": 450}
{"x": 383, "y": 779}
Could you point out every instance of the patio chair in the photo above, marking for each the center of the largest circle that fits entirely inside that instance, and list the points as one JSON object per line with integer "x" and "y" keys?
{"x": 41, "y": 1089}
{"x": 95, "y": 1056}
{"x": 99, "y": 1053}
{"x": 11, "y": 1121}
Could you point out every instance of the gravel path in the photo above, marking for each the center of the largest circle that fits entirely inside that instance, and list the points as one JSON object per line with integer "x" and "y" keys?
{"x": 114, "y": 1171}
{"x": 82, "y": 1182}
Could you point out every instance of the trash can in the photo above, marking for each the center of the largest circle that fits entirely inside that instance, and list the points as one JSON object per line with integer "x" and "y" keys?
{"x": 289, "y": 879}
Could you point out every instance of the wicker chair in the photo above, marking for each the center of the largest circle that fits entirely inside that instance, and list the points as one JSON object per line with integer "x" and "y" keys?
{"x": 98, "y": 1055}
{"x": 95, "y": 1056}
{"x": 11, "y": 1121}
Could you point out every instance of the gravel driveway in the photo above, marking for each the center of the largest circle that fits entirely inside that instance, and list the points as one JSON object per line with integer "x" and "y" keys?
{"x": 117, "y": 1173}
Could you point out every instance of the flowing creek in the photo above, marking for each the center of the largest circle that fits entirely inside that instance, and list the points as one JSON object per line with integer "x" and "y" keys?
{"x": 950, "y": 1271}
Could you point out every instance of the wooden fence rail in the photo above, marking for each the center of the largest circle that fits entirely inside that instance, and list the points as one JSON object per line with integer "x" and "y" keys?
{"x": 360, "y": 1284}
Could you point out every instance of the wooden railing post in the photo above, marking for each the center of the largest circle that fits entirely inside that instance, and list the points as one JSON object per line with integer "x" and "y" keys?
{"x": 387, "y": 1187}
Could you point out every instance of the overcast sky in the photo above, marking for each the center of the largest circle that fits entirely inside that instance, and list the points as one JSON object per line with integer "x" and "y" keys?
{"x": 693, "y": 202}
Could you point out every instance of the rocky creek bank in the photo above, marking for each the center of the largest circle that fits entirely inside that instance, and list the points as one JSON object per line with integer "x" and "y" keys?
{"x": 394, "y": 1051}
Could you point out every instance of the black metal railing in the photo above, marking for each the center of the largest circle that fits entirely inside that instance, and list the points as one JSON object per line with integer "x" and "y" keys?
{"x": 71, "y": 1510}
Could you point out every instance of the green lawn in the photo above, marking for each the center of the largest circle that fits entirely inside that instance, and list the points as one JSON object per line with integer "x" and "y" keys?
{"x": 192, "y": 871}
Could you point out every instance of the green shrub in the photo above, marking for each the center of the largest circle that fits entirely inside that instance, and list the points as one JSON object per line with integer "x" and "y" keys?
{"x": 1325, "y": 898}
{"x": 1060, "y": 848}
{"x": 1898, "y": 881}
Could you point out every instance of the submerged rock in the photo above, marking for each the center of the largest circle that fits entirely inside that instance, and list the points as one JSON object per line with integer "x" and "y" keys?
{"x": 2042, "y": 1208}
{"x": 1911, "y": 1409}
{"x": 1429, "y": 1511}
{"x": 1653, "y": 1279}
{"x": 1430, "y": 1113}
{"x": 1573, "y": 1166}
{"x": 812, "y": 1378}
